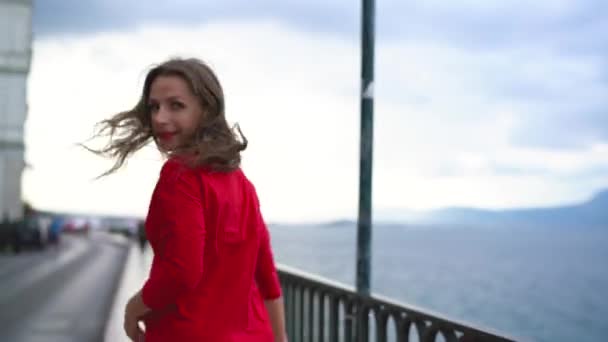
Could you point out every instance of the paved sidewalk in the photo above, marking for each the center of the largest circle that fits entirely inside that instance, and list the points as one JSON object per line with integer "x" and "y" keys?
{"x": 63, "y": 293}
{"x": 135, "y": 273}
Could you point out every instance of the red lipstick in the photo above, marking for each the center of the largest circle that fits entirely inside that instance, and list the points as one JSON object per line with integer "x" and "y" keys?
{"x": 165, "y": 135}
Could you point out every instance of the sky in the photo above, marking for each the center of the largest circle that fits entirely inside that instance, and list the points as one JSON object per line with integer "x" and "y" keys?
{"x": 490, "y": 104}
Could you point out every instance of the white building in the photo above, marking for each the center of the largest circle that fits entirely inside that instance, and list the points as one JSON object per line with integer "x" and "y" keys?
{"x": 15, "y": 55}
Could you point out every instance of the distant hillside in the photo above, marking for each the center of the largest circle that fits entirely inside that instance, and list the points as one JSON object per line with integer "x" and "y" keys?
{"x": 593, "y": 213}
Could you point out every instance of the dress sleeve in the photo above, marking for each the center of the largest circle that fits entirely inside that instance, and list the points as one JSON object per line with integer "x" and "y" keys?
{"x": 266, "y": 275}
{"x": 178, "y": 214}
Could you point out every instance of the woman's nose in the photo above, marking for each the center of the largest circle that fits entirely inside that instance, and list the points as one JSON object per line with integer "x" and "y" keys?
{"x": 161, "y": 116}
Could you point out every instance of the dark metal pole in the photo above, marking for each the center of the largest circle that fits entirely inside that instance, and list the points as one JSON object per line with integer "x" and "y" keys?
{"x": 364, "y": 225}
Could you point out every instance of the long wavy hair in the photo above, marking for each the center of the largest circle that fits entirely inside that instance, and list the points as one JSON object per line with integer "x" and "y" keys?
{"x": 215, "y": 143}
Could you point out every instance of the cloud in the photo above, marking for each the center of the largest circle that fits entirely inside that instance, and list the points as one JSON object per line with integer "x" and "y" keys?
{"x": 546, "y": 59}
{"x": 439, "y": 108}
{"x": 52, "y": 18}
{"x": 556, "y": 101}
{"x": 570, "y": 25}
{"x": 478, "y": 23}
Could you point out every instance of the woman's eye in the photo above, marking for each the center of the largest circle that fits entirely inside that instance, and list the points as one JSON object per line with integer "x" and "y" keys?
{"x": 153, "y": 107}
{"x": 176, "y": 105}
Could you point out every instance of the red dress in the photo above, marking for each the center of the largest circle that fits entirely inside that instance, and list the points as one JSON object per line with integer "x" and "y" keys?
{"x": 213, "y": 266}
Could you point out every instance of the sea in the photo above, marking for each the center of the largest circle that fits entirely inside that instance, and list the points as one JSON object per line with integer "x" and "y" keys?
{"x": 533, "y": 283}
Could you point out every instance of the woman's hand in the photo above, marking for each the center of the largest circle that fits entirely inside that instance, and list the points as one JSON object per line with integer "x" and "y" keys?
{"x": 131, "y": 327}
{"x": 134, "y": 311}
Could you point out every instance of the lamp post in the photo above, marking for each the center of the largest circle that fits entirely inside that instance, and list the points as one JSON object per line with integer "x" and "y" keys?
{"x": 364, "y": 222}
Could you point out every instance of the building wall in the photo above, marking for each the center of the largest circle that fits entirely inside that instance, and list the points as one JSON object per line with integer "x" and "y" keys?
{"x": 15, "y": 56}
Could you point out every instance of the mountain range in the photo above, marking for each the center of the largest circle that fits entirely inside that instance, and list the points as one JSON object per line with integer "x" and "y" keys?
{"x": 591, "y": 213}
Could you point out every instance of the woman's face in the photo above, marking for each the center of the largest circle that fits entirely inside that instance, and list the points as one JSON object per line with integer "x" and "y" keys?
{"x": 175, "y": 112}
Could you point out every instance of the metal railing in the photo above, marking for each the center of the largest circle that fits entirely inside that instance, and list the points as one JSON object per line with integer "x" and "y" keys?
{"x": 319, "y": 309}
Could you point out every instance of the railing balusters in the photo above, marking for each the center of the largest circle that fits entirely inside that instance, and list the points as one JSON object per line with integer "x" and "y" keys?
{"x": 403, "y": 327}
{"x": 321, "y": 335}
{"x": 311, "y": 315}
{"x": 449, "y": 335}
{"x": 312, "y": 302}
{"x": 350, "y": 316}
{"x": 430, "y": 334}
{"x": 421, "y": 329}
{"x": 288, "y": 289}
{"x": 292, "y": 311}
{"x": 333, "y": 318}
{"x": 300, "y": 310}
{"x": 381, "y": 318}
{"x": 362, "y": 323}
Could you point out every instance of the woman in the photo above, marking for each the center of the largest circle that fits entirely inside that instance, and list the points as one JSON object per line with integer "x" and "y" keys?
{"x": 212, "y": 277}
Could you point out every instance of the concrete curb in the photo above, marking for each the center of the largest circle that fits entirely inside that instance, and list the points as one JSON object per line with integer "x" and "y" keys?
{"x": 135, "y": 272}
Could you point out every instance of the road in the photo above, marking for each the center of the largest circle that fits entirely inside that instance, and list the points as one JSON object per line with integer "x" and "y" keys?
{"x": 61, "y": 294}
